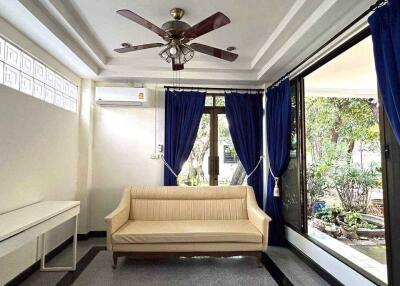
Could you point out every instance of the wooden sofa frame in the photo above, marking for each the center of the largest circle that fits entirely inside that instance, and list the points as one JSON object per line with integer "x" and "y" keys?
{"x": 158, "y": 255}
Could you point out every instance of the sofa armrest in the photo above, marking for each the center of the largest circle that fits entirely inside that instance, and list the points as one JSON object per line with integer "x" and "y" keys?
{"x": 118, "y": 217}
{"x": 257, "y": 216}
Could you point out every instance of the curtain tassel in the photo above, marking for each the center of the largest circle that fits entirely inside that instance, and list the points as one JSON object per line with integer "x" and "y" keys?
{"x": 276, "y": 191}
{"x": 276, "y": 188}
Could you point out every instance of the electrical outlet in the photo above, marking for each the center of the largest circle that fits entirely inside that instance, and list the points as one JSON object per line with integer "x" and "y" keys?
{"x": 155, "y": 156}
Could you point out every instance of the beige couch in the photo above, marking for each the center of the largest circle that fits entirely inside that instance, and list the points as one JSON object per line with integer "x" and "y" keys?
{"x": 187, "y": 221}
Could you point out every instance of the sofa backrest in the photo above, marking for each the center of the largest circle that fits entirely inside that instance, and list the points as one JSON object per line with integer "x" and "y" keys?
{"x": 188, "y": 203}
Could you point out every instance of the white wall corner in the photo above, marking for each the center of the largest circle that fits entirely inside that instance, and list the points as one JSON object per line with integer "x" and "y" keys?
{"x": 85, "y": 143}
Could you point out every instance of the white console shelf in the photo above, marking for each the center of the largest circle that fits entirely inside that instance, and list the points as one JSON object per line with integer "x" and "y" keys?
{"x": 20, "y": 226}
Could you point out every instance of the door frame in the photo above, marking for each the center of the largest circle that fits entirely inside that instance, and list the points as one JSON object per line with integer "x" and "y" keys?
{"x": 213, "y": 159}
{"x": 390, "y": 153}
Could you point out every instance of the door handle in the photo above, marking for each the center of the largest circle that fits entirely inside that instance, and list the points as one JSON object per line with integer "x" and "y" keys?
{"x": 209, "y": 166}
{"x": 217, "y": 165}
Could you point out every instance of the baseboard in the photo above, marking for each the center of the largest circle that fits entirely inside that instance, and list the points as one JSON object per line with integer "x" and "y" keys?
{"x": 93, "y": 233}
{"x": 314, "y": 266}
{"x": 36, "y": 266}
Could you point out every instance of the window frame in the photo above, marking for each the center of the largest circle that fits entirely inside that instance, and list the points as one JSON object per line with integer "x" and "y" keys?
{"x": 69, "y": 91}
{"x": 302, "y": 169}
{"x": 213, "y": 160}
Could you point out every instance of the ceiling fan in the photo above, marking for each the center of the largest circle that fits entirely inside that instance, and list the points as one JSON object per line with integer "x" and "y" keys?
{"x": 177, "y": 35}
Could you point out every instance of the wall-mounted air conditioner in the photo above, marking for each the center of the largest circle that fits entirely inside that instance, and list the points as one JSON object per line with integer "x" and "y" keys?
{"x": 122, "y": 96}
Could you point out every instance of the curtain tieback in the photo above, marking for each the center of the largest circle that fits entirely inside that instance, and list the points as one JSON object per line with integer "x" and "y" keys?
{"x": 248, "y": 176}
{"x": 168, "y": 166}
{"x": 276, "y": 188}
{"x": 255, "y": 168}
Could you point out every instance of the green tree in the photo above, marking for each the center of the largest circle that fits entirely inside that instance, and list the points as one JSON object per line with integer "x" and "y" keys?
{"x": 196, "y": 175}
{"x": 333, "y": 127}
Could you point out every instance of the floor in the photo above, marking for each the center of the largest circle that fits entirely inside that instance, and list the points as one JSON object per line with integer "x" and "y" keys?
{"x": 284, "y": 268}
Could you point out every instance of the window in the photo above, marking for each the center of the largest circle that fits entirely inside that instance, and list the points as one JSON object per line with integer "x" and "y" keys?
{"x": 230, "y": 156}
{"x": 20, "y": 71}
{"x": 213, "y": 159}
{"x": 340, "y": 163}
{"x": 291, "y": 191}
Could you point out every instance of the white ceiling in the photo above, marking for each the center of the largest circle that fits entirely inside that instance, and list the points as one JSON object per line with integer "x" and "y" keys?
{"x": 271, "y": 36}
{"x": 351, "y": 74}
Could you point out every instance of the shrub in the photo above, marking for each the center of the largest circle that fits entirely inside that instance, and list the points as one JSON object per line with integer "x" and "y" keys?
{"x": 353, "y": 185}
{"x": 317, "y": 181}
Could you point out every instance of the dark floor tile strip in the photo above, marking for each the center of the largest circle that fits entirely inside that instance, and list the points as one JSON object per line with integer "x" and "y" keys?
{"x": 90, "y": 234}
{"x": 314, "y": 266}
{"x": 71, "y": 276}
{"x": 279, "y": 277}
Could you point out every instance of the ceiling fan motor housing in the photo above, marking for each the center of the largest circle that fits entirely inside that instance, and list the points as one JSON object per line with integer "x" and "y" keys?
{"x": 175, "y": 28}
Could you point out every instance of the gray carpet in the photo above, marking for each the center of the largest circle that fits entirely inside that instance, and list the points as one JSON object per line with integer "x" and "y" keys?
{"x": 174, "y": 271}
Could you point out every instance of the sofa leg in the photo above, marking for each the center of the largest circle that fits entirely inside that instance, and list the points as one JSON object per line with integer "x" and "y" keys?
{"x": 115, "y": 260}
{"x": 259, "y": 260}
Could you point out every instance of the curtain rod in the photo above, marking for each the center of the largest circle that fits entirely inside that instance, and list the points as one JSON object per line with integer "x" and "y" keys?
{"x": 359, "y": 18}
{"x": 212, "y": 88}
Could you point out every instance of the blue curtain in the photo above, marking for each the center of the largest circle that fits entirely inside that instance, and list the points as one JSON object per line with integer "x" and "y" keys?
{"x": 278, "y": 140}
{"x": 244, "y": 113}
{"x": 385, "y": 30}
{"x": 183, "y": 111}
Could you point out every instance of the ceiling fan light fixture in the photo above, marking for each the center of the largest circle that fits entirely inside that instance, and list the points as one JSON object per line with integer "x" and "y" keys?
{"x": 180, "y": 53}
{"x": 165, "y": 54}
{"x": 187, "y": 53}
{"x": 173, "y": 50}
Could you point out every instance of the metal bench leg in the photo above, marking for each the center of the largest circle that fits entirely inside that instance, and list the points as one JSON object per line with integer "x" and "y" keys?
{"x": 58, "y": 268}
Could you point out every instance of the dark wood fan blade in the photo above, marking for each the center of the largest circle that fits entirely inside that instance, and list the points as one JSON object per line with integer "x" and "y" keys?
{"x": 137, "y": 48}
{"x": 225, "y": 55}
{"x": 141, "y": 21}
{"x": 207, "y": 25}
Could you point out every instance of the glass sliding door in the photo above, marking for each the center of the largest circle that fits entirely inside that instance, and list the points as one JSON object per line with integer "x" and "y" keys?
{"x": 293, "y": 203}
{"x": 343, "y": 179}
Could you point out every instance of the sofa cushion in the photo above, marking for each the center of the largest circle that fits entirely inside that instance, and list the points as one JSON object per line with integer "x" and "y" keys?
{"x": 187, "y": 231}
{"x": 188, "y": 203}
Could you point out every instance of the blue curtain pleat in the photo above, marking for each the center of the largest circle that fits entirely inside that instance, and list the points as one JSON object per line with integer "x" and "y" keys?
{"x": 385, "y": 30}
{"x": 278, "y": 140}
{"x": 244, "y": 114}
{"x": 183, "y": 112}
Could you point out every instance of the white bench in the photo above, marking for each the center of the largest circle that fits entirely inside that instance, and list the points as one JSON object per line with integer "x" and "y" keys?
{"x": 20, "y": 226}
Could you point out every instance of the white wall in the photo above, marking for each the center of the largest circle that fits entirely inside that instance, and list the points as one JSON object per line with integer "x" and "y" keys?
{"x": 123, "y": 142}
{"x": 124, "y": 139}
{"x": 85, "y": 162}
{"x": 38, "y": 159}
{"x": 23, "y": 42}
{"x": 38, "y": 154}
